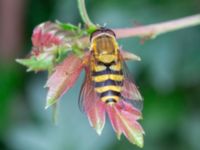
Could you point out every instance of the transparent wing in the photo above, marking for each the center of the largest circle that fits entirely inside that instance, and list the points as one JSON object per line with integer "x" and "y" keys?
{"x": 88, "y": 96}
{"x": 130, "y": 92}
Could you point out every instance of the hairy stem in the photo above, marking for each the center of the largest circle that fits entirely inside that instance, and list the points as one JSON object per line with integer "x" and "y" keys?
{"x": 83, "y": 13}
{"x": 154, "y": 30}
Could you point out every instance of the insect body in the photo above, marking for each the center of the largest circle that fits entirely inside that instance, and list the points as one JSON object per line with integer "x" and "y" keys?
{"x": 106, "y": 76}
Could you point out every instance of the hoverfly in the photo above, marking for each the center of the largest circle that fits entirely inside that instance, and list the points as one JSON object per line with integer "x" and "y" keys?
{"x": 108, "y": 88}
{"x": 107, "y": 79}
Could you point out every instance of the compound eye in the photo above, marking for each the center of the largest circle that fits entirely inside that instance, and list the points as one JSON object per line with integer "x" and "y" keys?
{"x": 109, "y": 31}
{"x": 102, "y": 30}
{"x": 95, "y": 33}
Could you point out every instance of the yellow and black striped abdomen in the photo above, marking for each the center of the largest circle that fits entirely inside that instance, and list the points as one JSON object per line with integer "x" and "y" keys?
{"x": 108, "y": 79}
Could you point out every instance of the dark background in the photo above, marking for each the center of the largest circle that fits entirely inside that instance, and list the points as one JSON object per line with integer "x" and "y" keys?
{"x": 168, "y": 77}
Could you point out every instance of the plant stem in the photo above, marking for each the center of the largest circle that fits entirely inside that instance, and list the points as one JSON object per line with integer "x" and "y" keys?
{"x": 154, "y": 30}
{"x": 83, "y": 13}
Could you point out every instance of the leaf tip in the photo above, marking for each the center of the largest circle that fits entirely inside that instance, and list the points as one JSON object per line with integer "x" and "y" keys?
{"x": 99, "y": 131}
{"x": 50, "y": 102}
{"x": 99, "y": 127}
{"x": 138, "y": 58}
{"x": 130, "y": 56}
{"x": 17, "y": 60}
{"x": 140, "y": 143}
{"x": 46, "y": 107}
{"x": 20, "y": 61}
{"x": 118, "y": 136}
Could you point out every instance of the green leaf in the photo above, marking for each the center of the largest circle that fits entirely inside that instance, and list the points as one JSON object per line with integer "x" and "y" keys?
{"x": 40, "y": 63}
{"x": 62, "y": 53}
{"x": 68, "y": 26}
{"x": 78, "y": 51}
{"x": 91, "y": 29}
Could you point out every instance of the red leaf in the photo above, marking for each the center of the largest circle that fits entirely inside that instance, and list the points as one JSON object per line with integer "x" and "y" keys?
{"x": 45, "y": 35}
{"x": 114, "y": 121}
{"x": 96, "y": 115}
{"x": 129, "y": 56}
{"x": 123, "y": 117}
{"x": 63, "y": 78}
{"x": 49, "y": 36}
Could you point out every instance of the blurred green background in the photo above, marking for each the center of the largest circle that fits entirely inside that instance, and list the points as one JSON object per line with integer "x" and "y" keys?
{"x": 168, "y": 77}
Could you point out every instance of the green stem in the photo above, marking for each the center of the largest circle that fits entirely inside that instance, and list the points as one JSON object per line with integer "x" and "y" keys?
{"x": 83, "y": 13}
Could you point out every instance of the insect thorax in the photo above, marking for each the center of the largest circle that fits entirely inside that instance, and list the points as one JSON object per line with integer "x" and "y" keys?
{"x": 104, "y": 46}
